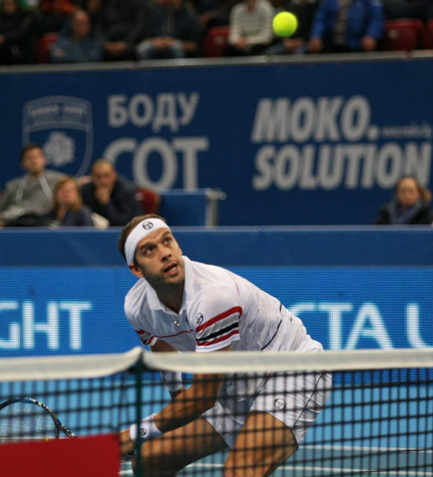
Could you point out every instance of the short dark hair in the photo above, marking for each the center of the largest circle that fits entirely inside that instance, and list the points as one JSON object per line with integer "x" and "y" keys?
{"x": 28, "y": 147}
{"x": 128, "y": 228}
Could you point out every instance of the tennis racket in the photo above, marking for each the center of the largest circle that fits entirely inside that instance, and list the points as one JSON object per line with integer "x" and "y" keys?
{"x": 24, "y": 418}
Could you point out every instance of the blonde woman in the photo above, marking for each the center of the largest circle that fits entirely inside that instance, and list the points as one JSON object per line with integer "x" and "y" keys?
{"x": 410, "y": 205}
{"x": 69, "y": 210}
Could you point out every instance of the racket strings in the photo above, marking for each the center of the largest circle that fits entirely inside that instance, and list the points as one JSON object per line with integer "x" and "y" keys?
{"x": 23, "y": 421}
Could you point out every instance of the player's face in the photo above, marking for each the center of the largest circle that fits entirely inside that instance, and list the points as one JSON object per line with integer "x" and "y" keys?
{"x": 407, "y": 192}
{"x": 159, "y": 259}
{"x": 34, "y": 161}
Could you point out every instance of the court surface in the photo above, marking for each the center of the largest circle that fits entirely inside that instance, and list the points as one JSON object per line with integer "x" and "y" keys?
{"x": 343, "y": 461}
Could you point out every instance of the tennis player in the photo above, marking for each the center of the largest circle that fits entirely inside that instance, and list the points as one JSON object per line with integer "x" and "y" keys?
{"x": 181, "y": 305}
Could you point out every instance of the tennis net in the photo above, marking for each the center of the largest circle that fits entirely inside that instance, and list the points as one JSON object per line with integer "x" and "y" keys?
{"x": 372, "y": 409}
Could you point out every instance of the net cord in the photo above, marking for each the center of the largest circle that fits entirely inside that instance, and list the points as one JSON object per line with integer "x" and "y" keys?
{"x": 91, "y": 366}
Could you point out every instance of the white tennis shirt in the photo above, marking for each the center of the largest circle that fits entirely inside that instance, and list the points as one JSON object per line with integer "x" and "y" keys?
{"x": 219, "y": 308}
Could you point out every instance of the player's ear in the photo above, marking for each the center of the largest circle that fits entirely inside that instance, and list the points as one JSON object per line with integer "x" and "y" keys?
{"x": 136, "y": 271}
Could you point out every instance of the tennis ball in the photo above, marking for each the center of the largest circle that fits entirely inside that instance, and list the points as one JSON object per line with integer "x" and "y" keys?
{"x": 284, "y": 24}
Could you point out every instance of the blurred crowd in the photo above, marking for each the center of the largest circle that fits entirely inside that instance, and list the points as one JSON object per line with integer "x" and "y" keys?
{"x": 78, "y": 31}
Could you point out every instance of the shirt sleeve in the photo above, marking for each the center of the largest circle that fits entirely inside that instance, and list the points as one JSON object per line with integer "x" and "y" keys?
{"x": 217, "y": 321}
{"x": 147, "y": 339}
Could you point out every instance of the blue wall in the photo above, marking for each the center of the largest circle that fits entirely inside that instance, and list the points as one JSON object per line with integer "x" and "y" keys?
{"x": 294, "y": 143}
{"x": 62, "y": 292}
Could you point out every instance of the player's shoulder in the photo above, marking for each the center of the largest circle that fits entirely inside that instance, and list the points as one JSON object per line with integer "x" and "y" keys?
{"x": 203, "y": 277}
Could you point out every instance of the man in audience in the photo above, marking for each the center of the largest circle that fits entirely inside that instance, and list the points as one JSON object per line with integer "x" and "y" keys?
{"x": 250, "y": 28}
{"x": 120, "y": 25}
{"x": 341, "y": 26}
{"x": 29, "y": 198}
{"x": 109, "y": 195}
{"x": 78, "y": 45}
{"x": 174, "y": 32}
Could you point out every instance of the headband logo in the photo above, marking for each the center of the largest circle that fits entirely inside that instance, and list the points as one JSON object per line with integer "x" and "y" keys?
{"x": 147, "y": 225}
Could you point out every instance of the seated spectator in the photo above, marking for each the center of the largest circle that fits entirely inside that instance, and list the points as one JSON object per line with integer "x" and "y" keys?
{"x": 296, "y": 44}
{"x": 250, "y": 28}
{"x": 17, "y": 34}
{"x": 174, "y": 32}
{"x": 28, "y": 199}
{"x": 120, "y": 25}
{"x": 68, "y": 210}
{"x": 346, "y": 25}
{"x": 109, "y": 195}
{"x": 410, "y": 205}
{"x": 78, "y": 45}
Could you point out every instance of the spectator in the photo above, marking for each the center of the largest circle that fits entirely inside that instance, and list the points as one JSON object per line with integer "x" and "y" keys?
{"x": 121, "y": 24}
{"x": 410, "y": 205}
{"x": 304, "y": 11}
{"x": 250, "y": 28}
{"x": 68, "y": 210}
{"x": 78, "y": 45}
{"x": 17, "y": 34}
{"x": 109, "y": 195}
{"x": 29, "y": 198}
{"x": 346, "y": 25}
{"x": 174, "y": 32}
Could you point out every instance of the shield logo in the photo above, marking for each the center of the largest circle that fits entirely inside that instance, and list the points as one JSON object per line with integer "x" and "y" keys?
{"x": 63, "y": 126}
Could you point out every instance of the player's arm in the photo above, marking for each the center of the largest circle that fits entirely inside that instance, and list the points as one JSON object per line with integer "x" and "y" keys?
{"x": 172, "y": 380}
{"x": 188, "y": 405}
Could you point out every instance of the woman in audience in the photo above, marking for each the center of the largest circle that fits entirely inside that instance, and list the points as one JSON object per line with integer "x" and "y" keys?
{"x": 410, "y": 205}
{"x": 68, "y": 206}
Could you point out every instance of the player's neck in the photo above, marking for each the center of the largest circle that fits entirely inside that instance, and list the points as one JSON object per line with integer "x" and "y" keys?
{"x": 172, "y": 298}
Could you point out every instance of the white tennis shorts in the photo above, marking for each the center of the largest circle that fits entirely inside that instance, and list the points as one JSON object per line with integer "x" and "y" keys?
{"x": 293, "y": 399}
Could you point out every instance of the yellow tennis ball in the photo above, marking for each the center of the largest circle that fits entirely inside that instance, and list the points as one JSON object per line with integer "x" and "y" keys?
{"x": 284, "y": 24}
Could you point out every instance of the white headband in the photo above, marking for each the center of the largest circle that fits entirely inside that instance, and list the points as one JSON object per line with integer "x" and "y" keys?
{"x": 145, "y": 227}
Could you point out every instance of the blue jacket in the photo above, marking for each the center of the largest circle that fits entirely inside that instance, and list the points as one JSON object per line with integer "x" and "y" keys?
{"x": 365, "y": 18}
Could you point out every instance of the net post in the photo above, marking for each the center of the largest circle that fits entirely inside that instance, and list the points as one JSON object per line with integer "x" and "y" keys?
{"x": 139, "y": 368}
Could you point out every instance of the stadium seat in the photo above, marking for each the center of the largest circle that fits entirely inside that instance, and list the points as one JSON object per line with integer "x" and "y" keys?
{"x": 149, "y": 200}
{"x": 402, "y": 35}
{"x": 43, "y": 45}
{"x": 427, "y": 36}
{"x": 216, "y": 41}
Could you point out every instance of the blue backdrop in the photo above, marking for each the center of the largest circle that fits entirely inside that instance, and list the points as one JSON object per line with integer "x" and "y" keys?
{"x": 69, "y": 310}
{"x": 352, "y": 289}
{"x": 290, "y": 143}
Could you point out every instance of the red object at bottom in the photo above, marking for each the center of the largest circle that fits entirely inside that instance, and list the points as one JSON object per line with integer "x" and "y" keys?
{"x": 95, "y": 456}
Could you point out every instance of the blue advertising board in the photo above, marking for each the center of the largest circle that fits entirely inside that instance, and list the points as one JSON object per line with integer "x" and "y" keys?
{"x": 62, "y": 290}
{"x": 289, "y": 143}
{"x": 69, "y": 310}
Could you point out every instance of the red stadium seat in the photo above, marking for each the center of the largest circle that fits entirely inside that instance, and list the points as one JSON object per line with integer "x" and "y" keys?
{"x": 149, "y": 200}
{"x": 216, "y": 41}
{"x": 402, "y": 35}
{"x": 43, "y": 46}
{"x": 427, "y": 36}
